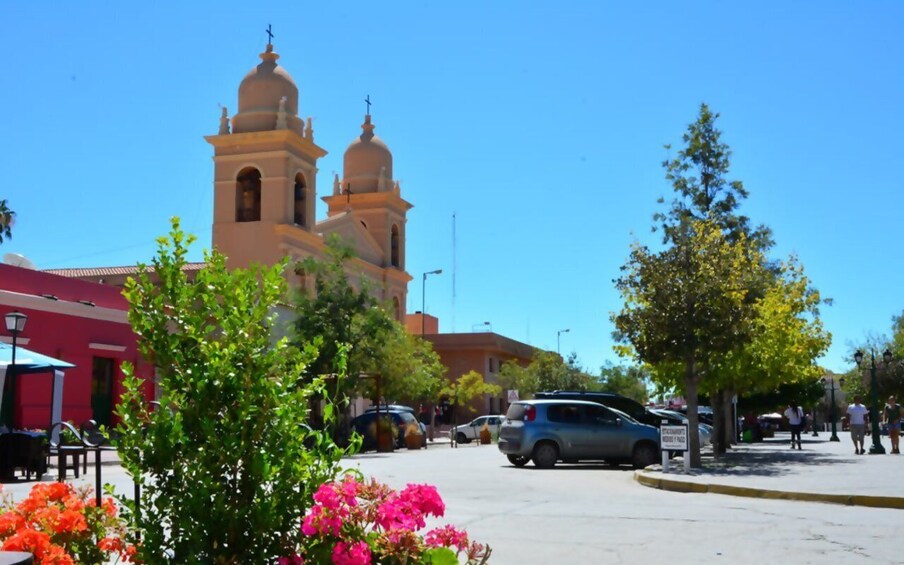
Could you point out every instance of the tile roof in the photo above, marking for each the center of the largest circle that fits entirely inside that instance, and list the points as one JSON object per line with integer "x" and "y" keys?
{"x": 112, "y": 271}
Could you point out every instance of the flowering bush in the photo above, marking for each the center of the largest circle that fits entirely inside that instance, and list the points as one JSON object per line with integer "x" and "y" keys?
{"x": 364, "y": 523}
{"x": 63, "y": 526}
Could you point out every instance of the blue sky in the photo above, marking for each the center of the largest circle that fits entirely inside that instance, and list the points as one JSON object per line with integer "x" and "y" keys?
{"x": 540, "y": 125}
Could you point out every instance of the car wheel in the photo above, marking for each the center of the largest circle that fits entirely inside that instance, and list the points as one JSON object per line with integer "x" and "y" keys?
{"x": 545, "y": 455}
{"x": 518, "y": 460}
{"x": 461, "y": 438}
{"x": 644, "y": 455}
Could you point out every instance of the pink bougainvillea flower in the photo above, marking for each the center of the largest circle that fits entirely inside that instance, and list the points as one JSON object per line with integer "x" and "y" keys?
{"x": 447, "y": 536}
{"x": 293, "y": 560}
{"x": 351, "y": 554}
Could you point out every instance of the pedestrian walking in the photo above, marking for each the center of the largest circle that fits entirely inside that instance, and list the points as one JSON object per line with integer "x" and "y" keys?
{"x": 795, "y": 415}
{"x": 857, "y": 413}
{"x": 892, "y": 414}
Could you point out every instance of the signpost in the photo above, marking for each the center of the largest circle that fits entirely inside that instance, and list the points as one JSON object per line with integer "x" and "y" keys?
{"x": 673, "y": 437}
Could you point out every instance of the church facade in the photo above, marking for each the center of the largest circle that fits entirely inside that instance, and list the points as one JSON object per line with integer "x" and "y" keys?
{"x": 265, "y": 190}
{"x": 265, "y": 186}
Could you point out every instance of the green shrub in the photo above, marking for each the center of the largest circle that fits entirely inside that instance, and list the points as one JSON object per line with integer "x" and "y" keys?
{"x": 227, "y": 463}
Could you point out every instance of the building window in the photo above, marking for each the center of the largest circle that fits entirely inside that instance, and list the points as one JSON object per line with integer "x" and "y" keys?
{"x": 248, "y": 196}
{"x": 397, "y": 308}
{"x": 394, "y": 246}
{"x": 492, "y": 365}
{"x": 300, "y": 200}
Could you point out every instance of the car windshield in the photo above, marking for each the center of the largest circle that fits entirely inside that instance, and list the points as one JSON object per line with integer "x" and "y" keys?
{"x": 407, "y": 417}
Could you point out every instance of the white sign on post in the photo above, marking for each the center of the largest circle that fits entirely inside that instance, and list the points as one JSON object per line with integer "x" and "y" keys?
{"x": 673, "y": 438}
{"x": 513, "y": 396}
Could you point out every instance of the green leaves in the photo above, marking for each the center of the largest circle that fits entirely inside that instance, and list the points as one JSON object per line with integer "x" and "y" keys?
{"x": 440, "y": 556}
{"x": 226, "y": 462}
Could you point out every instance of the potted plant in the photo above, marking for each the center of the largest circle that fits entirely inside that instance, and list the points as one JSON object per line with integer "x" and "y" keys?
{"x": 413, "y": 436}
{"x": 384, "y": 432}
{"x": 485, "y": 435}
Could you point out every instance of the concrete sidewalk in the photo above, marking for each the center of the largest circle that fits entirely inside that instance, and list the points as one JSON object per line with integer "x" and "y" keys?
{"x": 822, "y": 471}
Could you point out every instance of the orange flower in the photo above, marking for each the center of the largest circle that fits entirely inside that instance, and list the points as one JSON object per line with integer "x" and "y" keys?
{"x": 71, "y": 521}
{"x": 10, "y": 522}
{"x": 30, "y": 541}
{"x": 111, "y": 544}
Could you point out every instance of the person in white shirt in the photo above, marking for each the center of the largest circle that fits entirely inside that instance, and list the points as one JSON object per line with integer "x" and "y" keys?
{"x": 796, "y": 418}
{"x": 858, "y": 413}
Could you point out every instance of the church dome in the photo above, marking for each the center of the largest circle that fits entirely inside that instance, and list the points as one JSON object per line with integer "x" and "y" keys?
{"x": 260, "y": 94}
{"x": 366, "y": 160}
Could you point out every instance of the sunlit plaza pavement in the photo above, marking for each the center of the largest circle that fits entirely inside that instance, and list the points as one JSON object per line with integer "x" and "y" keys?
{"x": 598, "y": 514}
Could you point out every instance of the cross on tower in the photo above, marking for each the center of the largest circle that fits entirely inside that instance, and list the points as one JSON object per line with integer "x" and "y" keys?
{"x": 269, "y": 34}
{"x": 367, "y": 101}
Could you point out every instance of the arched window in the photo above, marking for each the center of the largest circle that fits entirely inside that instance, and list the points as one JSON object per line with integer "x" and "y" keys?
{"x": 300, "y": 200}
{"x": 397, "y": 308}
{"x": 248, "y": 196}
{"x": 394, "y": 246}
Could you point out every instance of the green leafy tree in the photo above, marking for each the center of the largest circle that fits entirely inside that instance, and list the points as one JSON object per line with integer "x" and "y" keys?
{"x": 466, "y": 388}
{"x": 546, "y": 371}
{"x": 630, "y": 381}
{"x": 227, "y": 463}
{"x": 686, "y": 306}
{"x": 346, "y": 316}
{"x": 6, "y": 220}
{"x": 702, "y": 191}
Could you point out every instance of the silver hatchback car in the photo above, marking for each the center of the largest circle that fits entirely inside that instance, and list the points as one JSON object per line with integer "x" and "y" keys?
{"x": 549, "y": 431}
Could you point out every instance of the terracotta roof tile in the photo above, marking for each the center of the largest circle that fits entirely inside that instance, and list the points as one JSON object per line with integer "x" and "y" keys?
{"x": 112, "y": 271}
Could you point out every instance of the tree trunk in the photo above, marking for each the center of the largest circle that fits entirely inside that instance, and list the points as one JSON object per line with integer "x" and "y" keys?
{"x": 731, "y": 421}
{"x": 718, "y": 437}
{"x": 690, "y": 394}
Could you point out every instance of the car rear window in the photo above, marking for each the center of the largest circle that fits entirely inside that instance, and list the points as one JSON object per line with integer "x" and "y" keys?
{"x": 407, "y": 417}
{"x": 566, "y": 413}
{"x": 516, "y": 411}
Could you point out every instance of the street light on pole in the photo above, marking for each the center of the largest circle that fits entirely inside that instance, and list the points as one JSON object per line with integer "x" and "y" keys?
{"x": 831, "y": 387}
{"x": 424, "y": 295}
{"x": 876, "y": 448}
{"x": 15, "y": 324}
{"x": 559, "y": 339}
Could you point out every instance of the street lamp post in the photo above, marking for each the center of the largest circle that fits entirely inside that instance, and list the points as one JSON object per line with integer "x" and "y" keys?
{"x": 424, "y": 295}
{"x": 876, "y": 448}
{"x": 15, "y": 324}
{"x": 831, "y": 383}
{"x": 559, "y": 339}
{"x": 423, "y": 317}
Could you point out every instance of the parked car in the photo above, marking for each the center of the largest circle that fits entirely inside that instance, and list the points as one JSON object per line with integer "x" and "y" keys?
{"x": 401, "y": 408}
{"x": 470, "y": 431}
{"x": 705, "y": 430}
{"x": 548, "y": 431}
{"x": 365, "y": 426}
{"x": 627, "y": 405}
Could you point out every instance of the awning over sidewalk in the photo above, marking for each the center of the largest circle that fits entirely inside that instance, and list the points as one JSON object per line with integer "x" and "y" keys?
{"x": 30, "y": 362}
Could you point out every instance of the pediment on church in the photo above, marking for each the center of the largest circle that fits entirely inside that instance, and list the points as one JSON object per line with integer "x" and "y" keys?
{"x": 352, "y": 231}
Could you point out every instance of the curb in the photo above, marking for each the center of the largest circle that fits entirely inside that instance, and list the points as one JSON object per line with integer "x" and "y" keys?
{"x": 675, "y": 485}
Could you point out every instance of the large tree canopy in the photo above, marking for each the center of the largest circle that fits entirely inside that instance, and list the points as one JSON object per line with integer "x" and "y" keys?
{"x": 340, "y": 315}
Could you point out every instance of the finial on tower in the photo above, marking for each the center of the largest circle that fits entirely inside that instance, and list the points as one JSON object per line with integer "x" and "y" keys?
{"x": 224, "y": 121}
{"x": 269, "y": 37}
{"x": 367, "y": 101}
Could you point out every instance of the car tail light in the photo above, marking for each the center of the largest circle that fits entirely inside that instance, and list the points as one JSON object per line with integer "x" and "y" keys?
{"x": 530, "y": 414}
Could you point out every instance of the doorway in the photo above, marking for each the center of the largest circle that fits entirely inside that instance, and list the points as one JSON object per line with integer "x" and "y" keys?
{"x": 102, "y": 390}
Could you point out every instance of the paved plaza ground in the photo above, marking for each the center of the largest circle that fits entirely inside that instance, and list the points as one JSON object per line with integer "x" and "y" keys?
{"x": 598, "y": 514}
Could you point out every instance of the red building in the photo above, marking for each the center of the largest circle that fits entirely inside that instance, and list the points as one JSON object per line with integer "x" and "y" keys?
{"x": 80, "y": 322}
